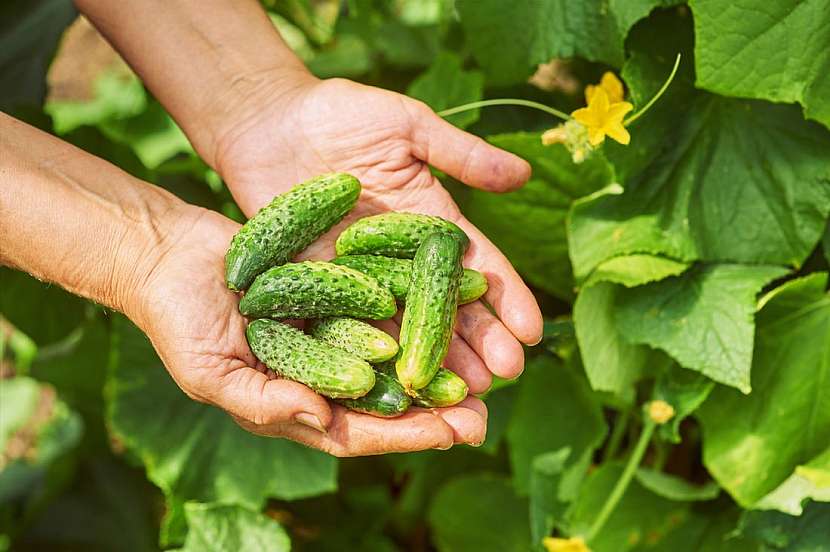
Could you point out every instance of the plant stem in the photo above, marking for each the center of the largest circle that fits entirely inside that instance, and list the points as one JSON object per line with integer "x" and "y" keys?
{"x": 505, "y": 101}
{"x": 661, "y": 455}
{"x": 622, "y": 483}
{"x": 617, "y": 434}
{"x": 656, "y": 96}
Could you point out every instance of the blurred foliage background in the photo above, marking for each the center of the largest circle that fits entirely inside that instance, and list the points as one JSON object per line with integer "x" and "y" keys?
{"x": 99, "y": 450}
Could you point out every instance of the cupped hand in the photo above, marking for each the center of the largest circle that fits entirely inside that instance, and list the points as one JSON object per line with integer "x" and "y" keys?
{"x": 194, "y": 325}
{"x": 280, "y": 137}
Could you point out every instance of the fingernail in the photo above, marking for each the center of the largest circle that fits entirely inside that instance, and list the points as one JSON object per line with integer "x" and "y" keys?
{"x": 310, "y": 420}
{"x": 477, "y": 444}
{"x": 541, "y": 337}
{"x": 448, "y": 447}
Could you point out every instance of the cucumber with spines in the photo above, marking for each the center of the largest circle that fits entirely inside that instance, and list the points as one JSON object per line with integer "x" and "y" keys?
{"x": 394, "y": 234}
{"x": 446, "y": 388}
{"x": 287, "y": 225}
{"x": 294, "y": 355}
{"x": 393, "y": 274}
{"x": 316, "y": 289}
{"x": 354, "y": 336}
{"x": 431, "y": 305}
{"x": 386, "y": 399}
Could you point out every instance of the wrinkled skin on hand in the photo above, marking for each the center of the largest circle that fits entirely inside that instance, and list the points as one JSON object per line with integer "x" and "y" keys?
{"x": 387, "y": 141}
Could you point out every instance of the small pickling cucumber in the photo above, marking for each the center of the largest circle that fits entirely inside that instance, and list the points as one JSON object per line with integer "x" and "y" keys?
{"x": 393, "y": 274}
{"x": 387, "y": 399}
{"x": 394, "y": 234}
{"x": 354, "y": 336}
{"x": 445, "y": 389}
{"x": 288, "y": 225}
{"x": 431, "y": 304}
{"x": 294, "y": 355}
{"x": 315, "y": 289}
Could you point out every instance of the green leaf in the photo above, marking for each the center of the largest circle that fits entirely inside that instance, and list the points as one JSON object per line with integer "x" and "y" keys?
{"x": 674, "y": 488}
{"x": 706, "y": 178}
{"x": 194, "y": 451}
{"x": 685, "y": 391}
{"x": 44, "y": 312}
{"x": 636, "y": 270}
{"x": 529, "y": 224}
{"x": 753, "y": 443}
{"x": 806, "y": 533}
{"x": 406, "y": 47}
{"x": 29, "y": 35}
{"x": 703, "y": 319}
{"x": 445, "y": 84}
{"x": 826, "y": 242}
{"x": 220, "y": 527}
{"x": 546, "y": 505}
{"x": 555, "y": 409}
{"x": 739, "y": 51}
{"x": 510, "y": 46}
{"x": 479, "y": 513}
{"x": 347, "y": 56}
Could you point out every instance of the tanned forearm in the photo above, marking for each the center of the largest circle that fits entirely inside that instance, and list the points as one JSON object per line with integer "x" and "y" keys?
{"x": 70, "y": 218}
{"x": 202, "y": 60}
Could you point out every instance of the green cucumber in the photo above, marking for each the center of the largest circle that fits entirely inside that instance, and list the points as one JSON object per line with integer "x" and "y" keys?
{"x": 356, "y": 337}
{"x": 431, "y": 304}
{"x": 315, "y": 289}
{"x": 393, "y": 274}
{"x": 445, "y": 389}
{"x": 299, "y": 357}
{"x": 288, "y": 225}
{"x": 393, "y": 234}
{"x": 387, "y": 399}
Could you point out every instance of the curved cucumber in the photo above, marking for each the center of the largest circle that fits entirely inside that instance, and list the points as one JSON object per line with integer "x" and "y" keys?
{"x": 445, "y": 389}
{"x": 356, "y": 337}
{"x": 393, "y": 274}
{"x": 313, "y": 289}
{"x": 387, "y": 399}
{"x": 288, "y": 225}
{"x": 299, "y": 357}
{"x": 431, "y": 304}
{"x": 394, "y": 234}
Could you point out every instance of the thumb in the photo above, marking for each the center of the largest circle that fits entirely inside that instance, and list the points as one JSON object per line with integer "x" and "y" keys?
{"x": 249, "y": 395}
{"x": 464, "y": 156}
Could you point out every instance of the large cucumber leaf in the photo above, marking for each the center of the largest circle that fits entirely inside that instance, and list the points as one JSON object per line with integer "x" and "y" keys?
{"x": 222, "y": 527}
{"x": 479, "y": 513}
{"x": 753, "y": 443}
{"x": 196, "y": 452}
{"x": 777, "y": 51}
{"x": 509, "y": 44}
{"x": 703, "y": 318}
{"x": 777, "y": 531}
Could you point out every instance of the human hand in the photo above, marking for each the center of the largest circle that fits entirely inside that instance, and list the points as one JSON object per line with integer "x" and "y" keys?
{"x": 282, "y": 136}
{"x": 194, "y": 325}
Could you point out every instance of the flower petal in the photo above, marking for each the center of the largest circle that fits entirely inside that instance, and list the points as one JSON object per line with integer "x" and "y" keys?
{"x": 586, "y": 116}
{"x": 613, "y": 87}
{"x": 618, "y": 110}
{"x": 618, "y": 133}
{"x": 596, "y": 135}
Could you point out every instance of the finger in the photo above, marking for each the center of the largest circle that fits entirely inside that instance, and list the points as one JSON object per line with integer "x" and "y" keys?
{"x": 250, "y": 395}
{"x": 468, "y": 420}
{"x": 488, "y": 337}
{"x": 354, "y": 434}
{"x": 464, "y": 156}
{"x": 465, "y": 362}
{"x": 507, "y": 293}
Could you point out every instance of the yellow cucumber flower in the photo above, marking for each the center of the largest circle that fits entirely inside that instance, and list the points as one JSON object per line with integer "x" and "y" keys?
{"x": 575, "y": 544}
{"x": 612, "y": 86}
{"x": 603, "y": 118}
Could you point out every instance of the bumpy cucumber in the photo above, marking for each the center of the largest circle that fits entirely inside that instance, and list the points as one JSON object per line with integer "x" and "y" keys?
{"x": 393, "y": 274}
{"x": 297, "y": 356}
{"x": 356, "y": 337}
{"x": 445, "y": 389}
{"x": 431, "y": 304}
{"x": 288, "y": 225}
{"x": 387, "y": 399}
{"x": 393, "y": 234}
{"x": 313, "y": 289}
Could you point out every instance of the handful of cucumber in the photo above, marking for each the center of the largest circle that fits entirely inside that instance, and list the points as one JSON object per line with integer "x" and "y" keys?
{"x": 383, "y": 260}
